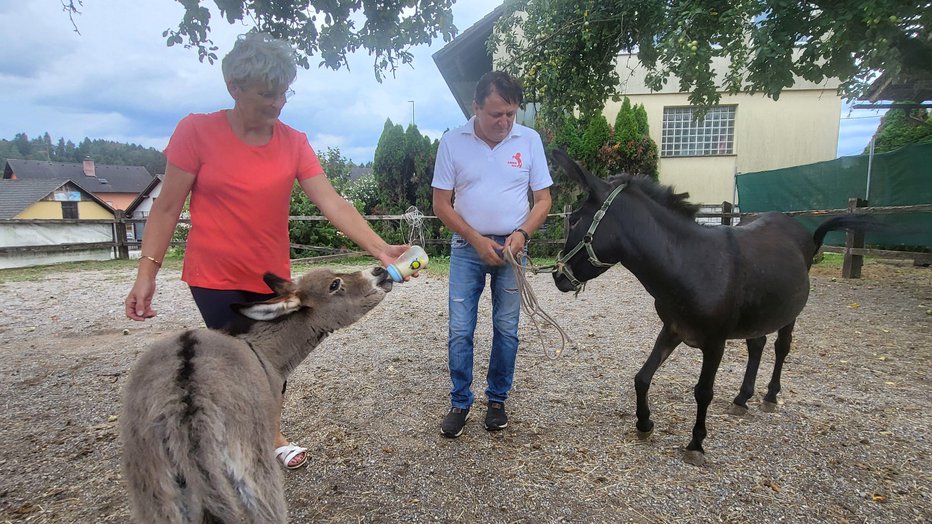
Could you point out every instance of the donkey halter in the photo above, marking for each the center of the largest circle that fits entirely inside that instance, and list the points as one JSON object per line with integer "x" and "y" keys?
{"x": 562, "y": 268}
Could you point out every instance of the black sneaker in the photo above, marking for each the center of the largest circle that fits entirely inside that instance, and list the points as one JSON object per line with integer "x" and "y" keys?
{"x": 495, "y": 417}
{"x": 454, "y": 422}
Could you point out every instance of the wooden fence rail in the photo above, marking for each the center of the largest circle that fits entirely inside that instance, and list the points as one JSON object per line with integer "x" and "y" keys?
{"x": 854, "y": 250}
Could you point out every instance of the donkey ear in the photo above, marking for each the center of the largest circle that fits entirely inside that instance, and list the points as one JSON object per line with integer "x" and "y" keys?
{"x": 575, "y": 171}
{"x": 269, "y": 309}
{"x": 278, "y": 284}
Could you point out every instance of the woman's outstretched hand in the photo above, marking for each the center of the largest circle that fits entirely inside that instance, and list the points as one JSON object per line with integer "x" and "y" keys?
{"x": 138, "y": 303}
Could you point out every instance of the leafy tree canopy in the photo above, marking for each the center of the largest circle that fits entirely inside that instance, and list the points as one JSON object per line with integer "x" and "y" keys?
{"x": 565, "y": 50}
{"x": 330, "y": 29}
{"x": 901, "y": 127}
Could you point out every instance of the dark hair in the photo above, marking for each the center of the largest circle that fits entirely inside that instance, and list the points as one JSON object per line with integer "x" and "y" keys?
{"x": 502, "y": 83}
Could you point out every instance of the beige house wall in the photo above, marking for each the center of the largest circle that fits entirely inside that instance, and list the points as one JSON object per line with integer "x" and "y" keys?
{"x": 46, "y": 209}
{"x": 799, "y": 128}
{"x": 90, "y": 210}
{"x": 42, "y": 210}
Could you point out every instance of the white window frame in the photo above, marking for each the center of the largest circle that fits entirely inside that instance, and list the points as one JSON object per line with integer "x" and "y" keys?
{"x": 683, "y": 135}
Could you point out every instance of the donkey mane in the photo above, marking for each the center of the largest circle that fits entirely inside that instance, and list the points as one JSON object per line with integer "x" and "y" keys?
{"x": 663, "y": 195}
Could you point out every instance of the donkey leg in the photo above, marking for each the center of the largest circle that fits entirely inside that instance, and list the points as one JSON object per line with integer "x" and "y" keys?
{"x": 782, "y": 349}
{"x": 704, "y": 390}
{"x": 664, "y": 345}
{"x": 755, "y": 350}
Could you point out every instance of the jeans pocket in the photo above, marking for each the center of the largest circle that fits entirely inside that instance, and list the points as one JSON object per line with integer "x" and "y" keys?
{"x": 458, "y": 242}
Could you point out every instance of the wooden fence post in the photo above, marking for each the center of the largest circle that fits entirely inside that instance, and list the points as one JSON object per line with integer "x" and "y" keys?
{"x": 727, "y": 209}
{"x": 851, "y": 267}
{"x": 119, "y": 232}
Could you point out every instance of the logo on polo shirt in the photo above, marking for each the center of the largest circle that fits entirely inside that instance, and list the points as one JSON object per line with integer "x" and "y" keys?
{"x": 515, "y": 161}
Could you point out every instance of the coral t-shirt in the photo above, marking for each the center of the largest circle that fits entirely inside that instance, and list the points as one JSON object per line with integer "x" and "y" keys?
{"x": 239, "y": 201}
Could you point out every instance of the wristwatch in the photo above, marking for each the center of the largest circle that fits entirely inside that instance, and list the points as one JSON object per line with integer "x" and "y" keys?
{"x": 527, "y": 238}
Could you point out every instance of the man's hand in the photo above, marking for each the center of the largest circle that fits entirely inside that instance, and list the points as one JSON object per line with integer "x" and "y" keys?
{"x": 489, "y": 251}
{"x": 515, "y": 243}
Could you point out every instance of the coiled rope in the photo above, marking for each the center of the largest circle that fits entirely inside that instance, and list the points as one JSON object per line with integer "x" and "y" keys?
{"x": 530, "y": 306}
{"x": 415, "y": 220}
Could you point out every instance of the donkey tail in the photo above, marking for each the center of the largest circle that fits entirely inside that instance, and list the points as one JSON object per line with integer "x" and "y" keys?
{"x": 848, "y": 222}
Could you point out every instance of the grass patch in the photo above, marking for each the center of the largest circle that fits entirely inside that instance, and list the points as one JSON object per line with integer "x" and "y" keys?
{"x": 831, "y": 261}
{"x": 837, "y": 260}
{"x": 34, "y": 273}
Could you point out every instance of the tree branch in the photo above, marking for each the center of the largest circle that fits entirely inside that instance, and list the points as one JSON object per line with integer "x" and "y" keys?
{"x": 69, "y": 7}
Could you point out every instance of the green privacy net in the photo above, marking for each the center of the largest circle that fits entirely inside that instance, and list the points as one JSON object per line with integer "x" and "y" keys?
{"x": 898, "y": 178}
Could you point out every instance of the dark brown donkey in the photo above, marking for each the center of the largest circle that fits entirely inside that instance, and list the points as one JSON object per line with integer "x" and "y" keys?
{"x": 709, "y": 284}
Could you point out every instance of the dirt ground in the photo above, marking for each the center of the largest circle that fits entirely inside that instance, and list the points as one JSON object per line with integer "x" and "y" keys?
{"x": 851, "y": 441}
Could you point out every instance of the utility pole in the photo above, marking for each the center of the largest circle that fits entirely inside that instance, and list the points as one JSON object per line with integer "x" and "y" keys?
{"x": 412, "y": 112}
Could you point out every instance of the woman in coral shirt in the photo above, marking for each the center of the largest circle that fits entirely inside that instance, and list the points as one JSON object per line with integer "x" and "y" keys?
{"x": 239, "y": 166}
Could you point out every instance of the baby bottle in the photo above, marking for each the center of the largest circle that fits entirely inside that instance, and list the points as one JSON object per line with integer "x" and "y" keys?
{"x": 410, "y": 262}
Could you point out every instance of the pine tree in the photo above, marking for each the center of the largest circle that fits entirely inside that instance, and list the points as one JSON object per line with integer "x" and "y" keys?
{"x": 596, "y": 135}
{"x": 388, "y": 166}
{"x": 626, "y": 128}
{"x": 640, "y": 117}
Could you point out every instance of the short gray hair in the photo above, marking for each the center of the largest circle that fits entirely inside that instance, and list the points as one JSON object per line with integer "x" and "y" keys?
{"x": 257, "y": 57}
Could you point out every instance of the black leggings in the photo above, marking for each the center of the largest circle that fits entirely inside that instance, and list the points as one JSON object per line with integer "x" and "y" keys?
{"x": 214, "y": 304}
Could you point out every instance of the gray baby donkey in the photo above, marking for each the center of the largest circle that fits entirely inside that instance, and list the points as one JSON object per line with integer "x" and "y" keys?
{"x": 199, "y": 407}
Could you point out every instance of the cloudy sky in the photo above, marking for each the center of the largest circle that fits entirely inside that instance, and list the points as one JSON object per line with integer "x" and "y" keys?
{"x": 117, "y": 80}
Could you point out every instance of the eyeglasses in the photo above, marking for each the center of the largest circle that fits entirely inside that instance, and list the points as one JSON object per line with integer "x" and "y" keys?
{"x": 274, "y": 97}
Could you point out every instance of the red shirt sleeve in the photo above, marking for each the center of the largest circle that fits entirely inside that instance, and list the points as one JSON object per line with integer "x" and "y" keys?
{"x": 308, "y": 163}
{"x": 182, "y": 147}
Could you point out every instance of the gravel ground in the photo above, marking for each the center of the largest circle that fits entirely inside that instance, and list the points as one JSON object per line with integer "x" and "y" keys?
{"x": 851, "y": 442}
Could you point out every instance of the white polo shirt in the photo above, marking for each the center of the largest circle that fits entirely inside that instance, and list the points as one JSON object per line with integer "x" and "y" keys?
{"x": 491, "y": 184}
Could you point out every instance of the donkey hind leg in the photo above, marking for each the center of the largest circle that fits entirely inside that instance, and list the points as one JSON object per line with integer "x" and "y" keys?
{"x": 704, "y": 390}
{"x": 159, "y": 481}
{"x": 157, "y": 491}
{"x": 247, "y": 487}
{"x": 755, "y": 350}
{"x": 782, "y": 349}
{"x": 666, "y": 342}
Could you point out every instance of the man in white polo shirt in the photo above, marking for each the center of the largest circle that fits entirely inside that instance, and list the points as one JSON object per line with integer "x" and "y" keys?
{"x": 489, "y": 164}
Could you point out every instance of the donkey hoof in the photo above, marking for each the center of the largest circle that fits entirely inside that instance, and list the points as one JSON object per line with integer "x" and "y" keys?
{"x": 738, "y": 411}
{"x": 644, "y": 435}
{"x": 768, "y": 406}
{"x": 696, "y": 458}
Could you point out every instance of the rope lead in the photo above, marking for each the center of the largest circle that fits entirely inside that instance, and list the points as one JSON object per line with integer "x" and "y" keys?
{"x": 530, "y": 306}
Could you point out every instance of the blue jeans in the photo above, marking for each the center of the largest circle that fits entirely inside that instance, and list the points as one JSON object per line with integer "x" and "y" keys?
{"x": 467, "y": 281}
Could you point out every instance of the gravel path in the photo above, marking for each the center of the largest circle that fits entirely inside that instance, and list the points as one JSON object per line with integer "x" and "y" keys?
{"x": 851, "y": 443}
